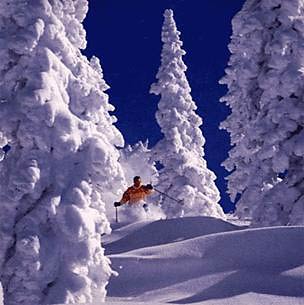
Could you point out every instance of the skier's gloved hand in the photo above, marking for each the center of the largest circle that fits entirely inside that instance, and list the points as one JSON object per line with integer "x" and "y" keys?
{"x": 149, "y": 187}
{"x": 145, "y": 206}
{"x": 117, "y": 204}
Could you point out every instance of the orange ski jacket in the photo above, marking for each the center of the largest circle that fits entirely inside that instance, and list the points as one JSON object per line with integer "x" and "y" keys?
{"x": 134, "y": 194}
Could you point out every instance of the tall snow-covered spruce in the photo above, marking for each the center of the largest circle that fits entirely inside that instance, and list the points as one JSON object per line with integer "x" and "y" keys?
{"x": 184, "y": 175}
{"x": 55, "y": 116}
{"x": 265, "y": 78}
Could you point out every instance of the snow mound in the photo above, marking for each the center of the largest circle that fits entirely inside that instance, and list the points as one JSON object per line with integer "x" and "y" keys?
{"x": 147, "y": 234}
{"x": 204, "y": 260}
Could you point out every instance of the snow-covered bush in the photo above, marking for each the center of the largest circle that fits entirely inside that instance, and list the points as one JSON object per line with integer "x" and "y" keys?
{"x": 55, "y": 116}
{"x": 136, "y": 160}
{"x": 265, "y": 78}
{"x": 184, "y": 175}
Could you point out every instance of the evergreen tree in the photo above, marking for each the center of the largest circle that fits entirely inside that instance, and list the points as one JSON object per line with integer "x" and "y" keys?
{"x": 265, "y": 82}
{"x": 184, "y": 175}
{"x": 55, "y": 116}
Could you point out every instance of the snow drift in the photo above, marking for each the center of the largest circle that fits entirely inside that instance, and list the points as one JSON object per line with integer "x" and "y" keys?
{"x": 208, "y": 261}
{"x": 205, "y": 261}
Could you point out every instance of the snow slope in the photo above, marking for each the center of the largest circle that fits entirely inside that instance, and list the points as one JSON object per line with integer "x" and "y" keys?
{"x": 204, "y": 260}
{"x": 207, "y": 261}
{"x": 161, "y": 232}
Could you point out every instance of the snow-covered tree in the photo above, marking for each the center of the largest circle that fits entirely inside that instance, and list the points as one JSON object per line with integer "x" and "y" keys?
{"x": 265, "y": 78}
{"x": 136, "y": 160}
{"x": 55, "y": 116}
{"x": 184, "y": 175}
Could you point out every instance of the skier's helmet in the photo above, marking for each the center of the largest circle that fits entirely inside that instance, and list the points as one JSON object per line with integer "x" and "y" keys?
{"x": 137, "y": 181}
{"x": 136, "y": 178}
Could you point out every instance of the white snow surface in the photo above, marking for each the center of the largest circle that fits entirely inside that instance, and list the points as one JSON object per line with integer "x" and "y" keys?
{"x": 203, "y": 260}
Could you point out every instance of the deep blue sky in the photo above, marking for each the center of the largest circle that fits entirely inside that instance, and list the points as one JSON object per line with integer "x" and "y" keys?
{"x": 125, "y": 35}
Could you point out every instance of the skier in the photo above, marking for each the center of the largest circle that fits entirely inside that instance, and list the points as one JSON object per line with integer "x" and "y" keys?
{"x": 135, "y": 194}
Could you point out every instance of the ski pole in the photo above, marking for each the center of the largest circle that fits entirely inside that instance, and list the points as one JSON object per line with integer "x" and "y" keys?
{"x": 116, "y": 213}
{"x": 162, "y": 193}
